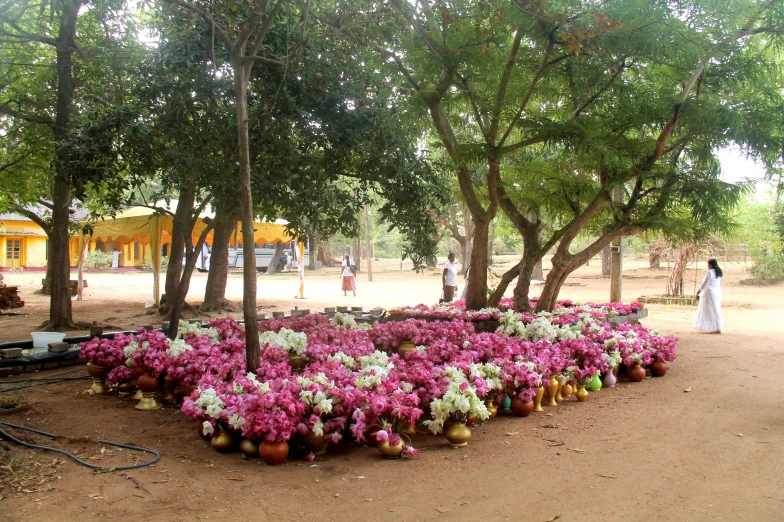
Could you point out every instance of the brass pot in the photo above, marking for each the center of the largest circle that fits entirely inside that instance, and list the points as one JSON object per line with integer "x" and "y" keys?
{"x": 458, "y": 434}
{"x": 297, "y": 362}
{"x": 566, "y": 390}
{"x": 315, "y": 443}
{"x": 224, "y": 442}
{"x": 405, "y": 347}
{"x": 390, "y": 452}
{"x": 581, "y": 393}
{"x": 249, "y": 448}
{"x": 98, "y": 373}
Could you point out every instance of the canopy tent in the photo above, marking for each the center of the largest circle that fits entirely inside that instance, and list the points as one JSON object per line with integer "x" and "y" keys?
{"x": 148, "y": 227}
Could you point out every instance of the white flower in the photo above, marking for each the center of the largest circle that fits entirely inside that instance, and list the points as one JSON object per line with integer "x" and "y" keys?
{"x": 178, "y": 347}
{"x": 345, "y": 320}
{"x": 207, "y": 428}
{"x": 288, "y": 340}
{"x": 214, "y": 410}
{"x": 236, "y": 422}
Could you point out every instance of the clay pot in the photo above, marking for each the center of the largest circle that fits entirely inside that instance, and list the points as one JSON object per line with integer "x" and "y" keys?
{"x": 390, "y": 452}
{"x": 636, "y": 373}
{"x": 249, "y": 448}
{"x": 274, "y": 453}
{"x": 224, "y": 442}
{"x": 458, "y": 434}
{"x": 520, "y": 408}
{"x": 659, "y": 367}
{"x": 148, "y": 385}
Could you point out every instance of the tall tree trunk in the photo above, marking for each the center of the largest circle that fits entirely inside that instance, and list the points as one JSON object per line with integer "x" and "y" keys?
{"x": 538, "y": 273}
{"x": 476, "y": 294}
{"x": 274, "y": 266}
{"x": 654, "y": 260}
{"x": 59, "y": 265}
{"x": 252, "y": 346}
{"x": 185, "y": 283}
{"x": 606, "y": 261}
{"x": 357, "y": 253}
{"x": 183, "y": 219}
{"x": 469, "y": 239}
{"x": 367, "y": 245}
{"x": 215, "y": 292}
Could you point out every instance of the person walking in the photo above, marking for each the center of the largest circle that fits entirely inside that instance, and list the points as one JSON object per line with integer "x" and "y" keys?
{"x": 449, "y": 278}
{"x": 348, "y": 277}
{"x": 708, "y": 317}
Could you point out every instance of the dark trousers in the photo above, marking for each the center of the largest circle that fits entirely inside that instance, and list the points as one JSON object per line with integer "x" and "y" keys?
{"x": 449, "y": 293}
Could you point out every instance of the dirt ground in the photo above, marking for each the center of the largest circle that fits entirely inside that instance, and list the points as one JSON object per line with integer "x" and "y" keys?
{"x": 706, "y": 442}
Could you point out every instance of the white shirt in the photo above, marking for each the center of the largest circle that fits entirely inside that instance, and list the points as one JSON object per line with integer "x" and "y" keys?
{"x": 451, "y": 274}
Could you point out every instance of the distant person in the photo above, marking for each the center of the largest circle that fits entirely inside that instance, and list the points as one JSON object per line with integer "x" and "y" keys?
{"x": 465, "y": 283}
{"x": 708, "y": 317}
{"x": 347, "y": 274}
{"x": 449, "y": 278}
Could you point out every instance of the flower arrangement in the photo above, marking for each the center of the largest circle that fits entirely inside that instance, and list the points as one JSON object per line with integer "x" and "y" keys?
{"x": 105, "y": 352}
{"x": 286, "y": 339}
{"x": 459, "y": 404}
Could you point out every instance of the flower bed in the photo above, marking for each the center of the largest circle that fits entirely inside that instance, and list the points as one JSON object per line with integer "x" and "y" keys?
{"x": 353, "y": 387}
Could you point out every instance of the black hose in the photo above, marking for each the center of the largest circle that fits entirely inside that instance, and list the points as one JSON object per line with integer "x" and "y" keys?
{"x": 8, "y": 436}
{"x": 52, "y": 381}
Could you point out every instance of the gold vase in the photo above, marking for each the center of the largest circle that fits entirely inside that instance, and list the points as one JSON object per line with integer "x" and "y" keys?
{"x": 552, "y": 390}
{"x": 581, "y": 393}
{"x": 170, "y": 384}
{"x": 125, "y": 388}
{"x": 98, "y": 373}
{"x": 559, "y": 394}
{"x": 567, "y": 390}
{"x": 492, "y": 407}
{"x": 458, "y": 434}
{"x": 538, "y": 399}
{"x": 409, "y": 430}
{"x": 390, "y": 452}
{"x": 405, "y": 347}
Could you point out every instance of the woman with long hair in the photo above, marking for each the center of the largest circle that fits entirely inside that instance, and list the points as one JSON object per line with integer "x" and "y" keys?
{"x": 709, "y": 310}
{"x": 347, "y": 276}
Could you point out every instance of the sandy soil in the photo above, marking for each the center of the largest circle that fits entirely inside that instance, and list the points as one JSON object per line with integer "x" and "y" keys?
{"x": 704, "y": 443}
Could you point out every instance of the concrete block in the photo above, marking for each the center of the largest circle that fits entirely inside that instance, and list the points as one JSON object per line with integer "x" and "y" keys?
{"x": 50, "y": 365}
{"x": 10, "y": 353}
{"x": 59, "y": 347}
{"x": 642, "y": 313}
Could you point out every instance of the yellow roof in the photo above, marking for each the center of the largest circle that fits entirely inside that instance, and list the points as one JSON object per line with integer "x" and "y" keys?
{"x": 134, "y": 224}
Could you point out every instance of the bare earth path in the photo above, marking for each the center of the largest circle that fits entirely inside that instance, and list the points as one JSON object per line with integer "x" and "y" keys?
{"x": 647, "y": 451}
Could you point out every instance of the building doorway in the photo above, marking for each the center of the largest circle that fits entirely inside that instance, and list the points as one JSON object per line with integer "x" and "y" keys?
{"x": 13, "y": 253}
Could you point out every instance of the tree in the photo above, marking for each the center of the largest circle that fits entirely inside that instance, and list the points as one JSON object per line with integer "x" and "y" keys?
{"x": 40, "y": 44}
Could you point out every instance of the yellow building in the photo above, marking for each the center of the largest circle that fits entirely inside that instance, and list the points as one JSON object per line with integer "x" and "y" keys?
{"x": 23, "y": 243}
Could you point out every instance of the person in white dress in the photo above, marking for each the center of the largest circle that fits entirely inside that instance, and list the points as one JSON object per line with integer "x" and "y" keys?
{"x": 708, "y": 317}
{"x": 449, "y": 279}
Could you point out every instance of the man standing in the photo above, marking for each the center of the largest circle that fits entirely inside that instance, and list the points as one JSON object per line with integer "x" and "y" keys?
{"x": 449, "y": 278}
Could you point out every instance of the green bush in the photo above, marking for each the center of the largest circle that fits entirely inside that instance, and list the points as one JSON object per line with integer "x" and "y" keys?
{"x": 147, "y": 265}
{"x": 98, "y": 259}
{"x": 768, "y": 267}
